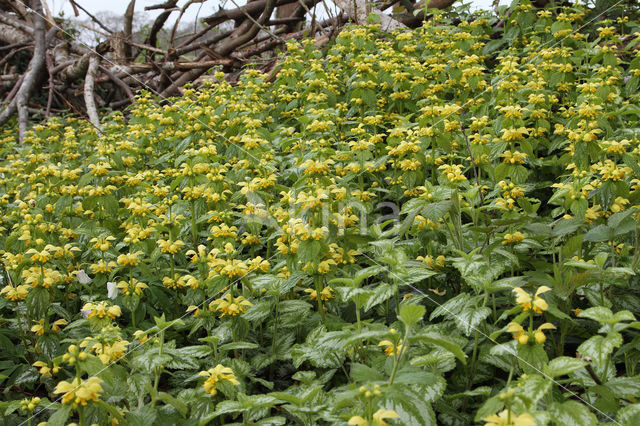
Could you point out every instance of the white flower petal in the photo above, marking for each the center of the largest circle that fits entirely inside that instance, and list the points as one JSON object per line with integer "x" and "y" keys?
{"x": 112, "y": 290}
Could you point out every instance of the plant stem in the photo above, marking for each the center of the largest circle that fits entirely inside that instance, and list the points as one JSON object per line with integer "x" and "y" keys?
{"x": 403, "y": 350}
{"x": 318, "y": 285}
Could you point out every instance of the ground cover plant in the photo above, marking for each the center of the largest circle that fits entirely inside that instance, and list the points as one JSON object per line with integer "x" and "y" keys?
{"x": 432, "y": 226}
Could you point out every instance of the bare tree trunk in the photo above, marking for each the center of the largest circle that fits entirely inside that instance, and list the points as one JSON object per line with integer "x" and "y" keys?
{"x": 89, "y": 96}
{"x": 32, "y": 74}
{"x": 128, "y": 27}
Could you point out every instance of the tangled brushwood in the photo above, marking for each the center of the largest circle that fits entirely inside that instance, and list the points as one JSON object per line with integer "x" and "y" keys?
{"x": 47, "y": 69}
{"x": 415, "y": 227}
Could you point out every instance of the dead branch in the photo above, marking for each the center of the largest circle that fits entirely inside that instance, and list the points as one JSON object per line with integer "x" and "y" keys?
{"x": 118, "y": 82}
{"x": 159, "y": 22}
{"x": 254, "y": 8}
{"x": 93, "y": 18}
{"x": 83, "y": 78}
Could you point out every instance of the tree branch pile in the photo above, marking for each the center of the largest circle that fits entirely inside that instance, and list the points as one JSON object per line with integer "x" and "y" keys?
{"x": 44, "y": 68}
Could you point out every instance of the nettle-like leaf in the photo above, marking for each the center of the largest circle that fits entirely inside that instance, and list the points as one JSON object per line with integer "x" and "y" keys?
{"x": 321, "y": 349}
{"x": 438, "y": 339}
{"x": 469, "y": 320}
{"x": 600, "y": 348}
{"x": 572, "y": 413}
{"x": 409, "y": 403}
{"x": 564, "y": 365}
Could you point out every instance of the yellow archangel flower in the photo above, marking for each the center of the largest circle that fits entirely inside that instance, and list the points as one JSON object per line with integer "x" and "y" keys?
{"x": 377, "y": 419}
{"x": 230, "y": 305}
{"x": 507, "y": 418}
{"x": 79, "y": 392}
{"x": 217, "y": 374}
{"x": 537, "y": 304}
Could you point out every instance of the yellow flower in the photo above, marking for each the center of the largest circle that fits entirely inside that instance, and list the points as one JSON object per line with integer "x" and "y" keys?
{"x": 217, "y": 374}
{"x": 79, "y": 392}
{"x": 102, "y": 244}
{"x": 524, "y": 299}
{"x": 13, "y": 294}
{"x": 171, "y": 247}
{"x": 380, "y": 415}
{"x": 101, "y": 310}
{"x": 230, "y": 305}
{"x": 130, "y": 259}
{"x": 38, "y": 328}
{"x": 507, "y": 418}
{"x": 134, "y": 287}
{"x": 55, "y": 326}
{"x": 539, "y": 335}
{"x": 325, "y": 266}
{"x": 325, "y": 294}
{"x": 391, "y": 348}
{"x": 514, "y": 238}
{"x": 29, "y": 404}
{"x": 45, "y": 370}
{"x": 519, "y": 334}
{"x": 377, "y": 419}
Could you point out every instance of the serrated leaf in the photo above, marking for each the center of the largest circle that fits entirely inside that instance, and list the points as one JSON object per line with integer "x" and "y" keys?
{"x": 442, "y": 341}
{"x": 450, "y": 306}
{"x": 364, "y": 373}
{"x": 470, "y": 319}
{"x": 382, "y": 293}
{"x": 59, "y": 418}
{"x": 411, "y": 408}
{"x": 599, "y": 348}
{"x": 412, "y": 314}
{"x": 564, "y": 365}
{"x": 238, "y": 345}
{"x": 572, "y": 413}
{"x": 597, "y": 313}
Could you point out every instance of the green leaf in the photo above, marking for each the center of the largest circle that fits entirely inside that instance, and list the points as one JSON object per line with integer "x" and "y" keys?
{"x": 111, "y": 410}
{"x": 491, "y": 406}
{"x": 599, "y": 348}
{"x": 572, "y": 413}
{"x": 382, "y": 293}
{"x": 470, "y": 319}
{"x": 412, "y": 314}
{"x": 532, "y": 358}
{"x": 411, "y": 407}
{"x": 625, "y": 387}
{"x": 178, "y": 405}
{"x": 37, "y": 302}
{"x": 143, "y": 416}
{"x": 59, "y": 418}
{"x": 238, "y": 345}
{"x": 629, "y": 415}
{"x": 364, "y": 373}
{"x": 451, "y": 306}
{"x": 444, "y": 342}
{"x": 564, "y": 365}
{"x": 598, "y": 234}
{"x": 533, "y": 389}
{"x": 598, "y": 313}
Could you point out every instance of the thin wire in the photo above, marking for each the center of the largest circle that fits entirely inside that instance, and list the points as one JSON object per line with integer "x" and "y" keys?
{"x": 241, "y": 148}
